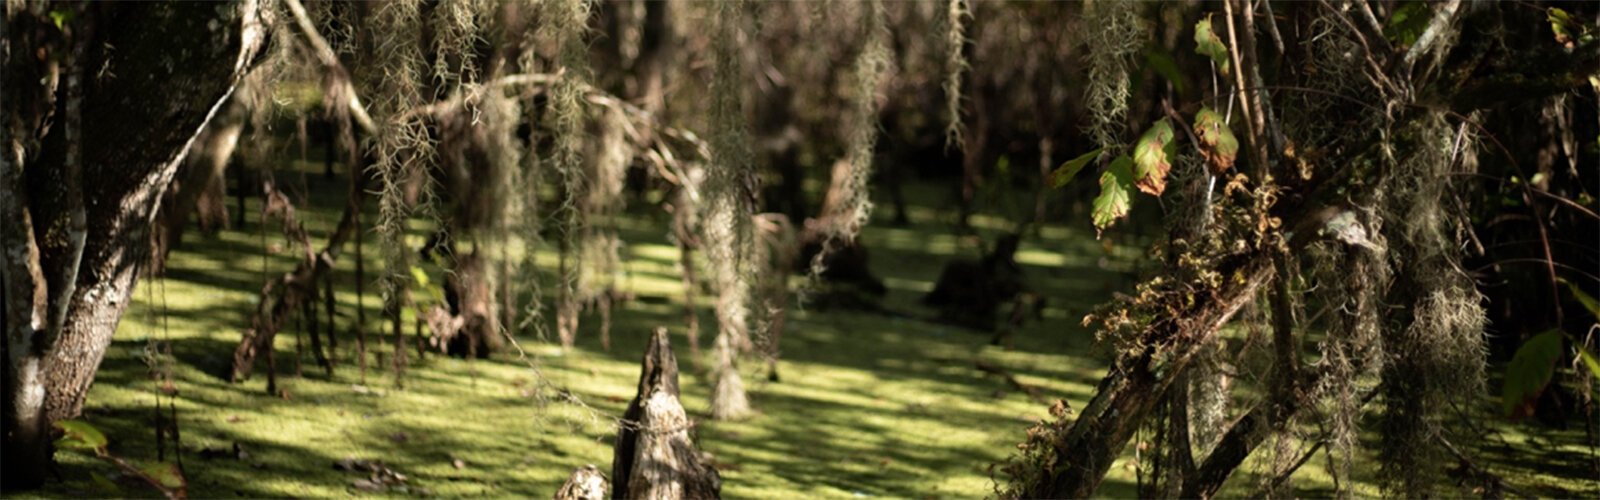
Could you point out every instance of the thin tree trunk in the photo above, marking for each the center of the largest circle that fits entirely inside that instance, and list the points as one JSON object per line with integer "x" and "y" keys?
{"x": 333, "y": 327}
{"x": 314, "y": 326}
{"x": 299, "y": 336}
{"x": 396, "y": 308}
{"x": 691, "y": 286}
{"x": 604, "y": 303}
{"x": 22, "y": 314}
{"x": 1180, "y": 447}
{"x": 656, "y": 43}
{"x": 281, "y": 296}
{"x": 361, "y": 274}
{"x": 1286, "y": 350}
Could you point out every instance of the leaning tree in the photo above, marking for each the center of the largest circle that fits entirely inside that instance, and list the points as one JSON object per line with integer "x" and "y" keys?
{"x": 1316, "y": 161}
{"x": 79, "y": 195}
{"x": 429, "y": 103}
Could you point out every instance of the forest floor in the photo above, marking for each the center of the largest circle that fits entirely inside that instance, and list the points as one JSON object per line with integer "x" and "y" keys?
{"x": 869, "y": 405}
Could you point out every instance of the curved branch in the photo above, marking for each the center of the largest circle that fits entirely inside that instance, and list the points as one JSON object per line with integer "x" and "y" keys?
{"x": 330, "y": 61}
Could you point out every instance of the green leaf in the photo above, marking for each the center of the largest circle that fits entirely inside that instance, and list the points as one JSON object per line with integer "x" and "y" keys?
{"x": 1161, "y": 62}
{"x": 1529, "y": 372}
{"x": 104, "y": 485}
{"x": 1068, "y": 170}
{"x": 77, "y": 434}
{"x": 166, "y": 474}
{"x": 1206, "y": 43}
{"x": 1217, "y": 144}
{"x": 1583, "y": 298}
{"x": 1569, "y": 31}
{"x": 1152, "y": 158}
{"x": 61, "y": 17}
{"x": 1115, "y": 197}
{"x": 1407, "y": 23}
{"x": 1560, "y": 23}
{"x": 1588, "y": 360}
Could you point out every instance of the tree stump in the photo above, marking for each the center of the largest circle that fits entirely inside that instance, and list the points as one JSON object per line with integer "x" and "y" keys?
{"x": 849, "y": 282}
{"x": 654, "y": 457}
{"x": 586, "y": 483}
{"x": 969, "y": 293}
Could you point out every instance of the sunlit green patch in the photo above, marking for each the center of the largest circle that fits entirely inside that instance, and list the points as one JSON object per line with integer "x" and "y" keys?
{"x": 867, "y": 405}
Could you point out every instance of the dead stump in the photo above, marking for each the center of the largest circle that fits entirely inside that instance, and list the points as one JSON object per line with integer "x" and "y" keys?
{"x": 467, "y": 324}
{"x": 586, "y": 483}
{"x": 970, "y": 292}
{"x": 846, "y": 280}
{"x": 654, "y": 458}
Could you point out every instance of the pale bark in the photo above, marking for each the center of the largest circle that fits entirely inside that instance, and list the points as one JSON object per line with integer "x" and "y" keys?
{"x": 93, "y": 188}
{"x": 654, "y": 457}
{"x": 131, "y": 159}
{"x": 23, "y": 299}
{"x": 22, "y": 293}
{"x": 585, "y": 483}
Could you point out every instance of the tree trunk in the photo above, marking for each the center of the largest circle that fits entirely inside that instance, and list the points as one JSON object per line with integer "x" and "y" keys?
{"x": 728, "y": 399}
{"x": 146, "y": 121}
{"x": 656, "y": 44}
{"x": 586, "y": 483}
{"x": 281, "y": 296}
{"x": 22, "y": 292}
{"x": 654, "y": 457}
{"x": 198, "y": 187}
{"x": 683, "y": 222}
{"x": 1126, "y": 395}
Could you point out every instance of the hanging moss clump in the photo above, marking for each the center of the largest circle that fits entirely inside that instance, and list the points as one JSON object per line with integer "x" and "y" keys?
{"x": 563, "y": 27}
{"x": 730, "y": 189}
{"x": 1118, "y": 34}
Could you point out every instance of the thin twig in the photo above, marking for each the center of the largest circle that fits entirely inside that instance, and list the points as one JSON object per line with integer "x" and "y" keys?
{"x": 1383, "y": 82}
{"x": 1272, "y": 26}
{"x": 1252, "y": 137}
{"x": 1373, "y": 24}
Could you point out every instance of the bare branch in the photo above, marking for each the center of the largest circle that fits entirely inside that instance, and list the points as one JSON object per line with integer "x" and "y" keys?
{"x": 330, "y": 61}
{"x": 1435, "y": 33}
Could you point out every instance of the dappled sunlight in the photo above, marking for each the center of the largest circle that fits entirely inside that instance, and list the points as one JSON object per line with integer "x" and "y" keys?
{"x": 868, "y": 405}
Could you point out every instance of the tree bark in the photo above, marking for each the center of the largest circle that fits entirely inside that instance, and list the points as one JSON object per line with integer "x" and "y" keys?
{"x": 22, "y": 293}
{"x": 147, "y": 112}
{"x": 656, "y": 44}
{"x": 585, "y": 483}
{"x": 1127, "y": 394}
{"x": 654, "y": 457}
